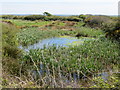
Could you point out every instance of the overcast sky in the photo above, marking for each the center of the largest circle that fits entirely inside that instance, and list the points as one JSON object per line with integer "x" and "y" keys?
{"x": 74, "y": 7}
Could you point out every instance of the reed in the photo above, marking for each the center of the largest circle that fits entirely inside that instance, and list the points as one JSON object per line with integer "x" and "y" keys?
{"x": 73, "y": 63}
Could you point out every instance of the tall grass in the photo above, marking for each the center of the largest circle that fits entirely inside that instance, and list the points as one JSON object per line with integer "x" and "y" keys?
{"x": 29, "y": 36}
{"x": 73, "y": 62}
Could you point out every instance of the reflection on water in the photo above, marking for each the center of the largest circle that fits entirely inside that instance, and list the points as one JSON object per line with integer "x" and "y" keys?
{"x": 57, "y": 41}
{"x": 104, "y": 75}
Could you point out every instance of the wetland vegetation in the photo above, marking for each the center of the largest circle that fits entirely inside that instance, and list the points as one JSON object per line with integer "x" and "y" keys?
{"x": 92, "y": 49}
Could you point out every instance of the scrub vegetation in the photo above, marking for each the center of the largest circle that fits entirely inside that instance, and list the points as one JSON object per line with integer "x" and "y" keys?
{"x": 75, "y": 66}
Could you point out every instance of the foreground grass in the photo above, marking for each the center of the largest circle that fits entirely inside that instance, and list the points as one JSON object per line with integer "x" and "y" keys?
{"x": 59, "y": 65}
{"x": 93, "y": 57}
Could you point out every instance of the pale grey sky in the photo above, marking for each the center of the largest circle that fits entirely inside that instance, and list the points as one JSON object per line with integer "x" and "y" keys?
{"x": 106, "y": 7}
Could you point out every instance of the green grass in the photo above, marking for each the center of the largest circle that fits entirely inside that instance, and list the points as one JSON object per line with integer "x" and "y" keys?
{"x": 83, "y": 60}
{"x": 38, "y": 23}
{"x": 21, "y": 23}
{"x": 29, "y": 36}
{"x": 59, "y": 23}
{"x": 90, "y": 32}
{"x": 32, "y": 35}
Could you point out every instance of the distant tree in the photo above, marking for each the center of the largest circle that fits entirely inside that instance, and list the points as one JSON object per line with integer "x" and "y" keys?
{"x": 47, "y": 14}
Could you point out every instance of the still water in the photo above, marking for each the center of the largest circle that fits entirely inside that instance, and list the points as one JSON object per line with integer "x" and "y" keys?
{"x": 64, "y": 41}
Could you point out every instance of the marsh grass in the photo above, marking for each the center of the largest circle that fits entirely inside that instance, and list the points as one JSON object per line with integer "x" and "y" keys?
{"x": 73, "y": 63}
{"x": 112, "y": 82}
{"x": 53, "y": 66}
{"x": 32, "y": 35}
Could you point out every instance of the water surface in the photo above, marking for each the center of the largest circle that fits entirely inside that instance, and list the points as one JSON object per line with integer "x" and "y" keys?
{"x": 63, "y": 41}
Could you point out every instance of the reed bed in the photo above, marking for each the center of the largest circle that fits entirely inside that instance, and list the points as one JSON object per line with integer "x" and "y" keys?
{"x": 53, "y": 66}
{"x": 29, "y": 36}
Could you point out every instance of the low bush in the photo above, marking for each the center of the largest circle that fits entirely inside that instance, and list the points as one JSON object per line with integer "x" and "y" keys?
{"x": 8, "y": 16}
{"x": 43, "y": 17}
{"x": 112, "y": 30}
{"x": 11, "y": 17}
{"x": 10, "y": 51}
{"x": 97, "y": 21}
{"x": 34, "y": 17}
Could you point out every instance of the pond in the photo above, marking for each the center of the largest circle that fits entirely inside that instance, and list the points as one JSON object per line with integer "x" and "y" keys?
{"x": 63, "y": 41}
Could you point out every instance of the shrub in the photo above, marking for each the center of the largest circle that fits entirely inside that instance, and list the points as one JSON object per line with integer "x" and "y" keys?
{"x": 10, "y": 50}
{"x": 112, "y": 30}
{"x": 11, "y": 17}
{"x": 34, "y": 17}
{"x": 8, "y": 16}
{"x": 97, "y": 21}
{"x": 9, "y": 40}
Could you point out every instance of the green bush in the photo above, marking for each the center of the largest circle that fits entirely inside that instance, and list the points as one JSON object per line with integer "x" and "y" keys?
{"x": 43, "y": 17}
{"x": 97, "y": 21}
{"x": 62, "y": 18}
{"x": 9, "y": 40}
{"x": 112, "y": 30}
{"x": 11, "y": 17}
{"x": 34, "y": 17}
{"x": 10, "y": 51}
{"x": 8, "y": 16}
